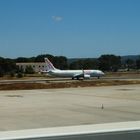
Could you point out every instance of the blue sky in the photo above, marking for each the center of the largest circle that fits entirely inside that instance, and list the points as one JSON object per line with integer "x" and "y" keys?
{"x": 73, "y": 28}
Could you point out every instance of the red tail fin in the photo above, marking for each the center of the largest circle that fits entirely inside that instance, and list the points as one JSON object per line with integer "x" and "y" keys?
{"x": 49, "y": 65}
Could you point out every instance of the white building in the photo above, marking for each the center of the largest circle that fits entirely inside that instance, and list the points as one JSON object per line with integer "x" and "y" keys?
{"x": 37, "y": 67}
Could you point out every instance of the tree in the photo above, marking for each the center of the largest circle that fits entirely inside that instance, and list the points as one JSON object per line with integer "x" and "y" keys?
{"x": 109, "y": 62}
{"x": 1, "y": 72}
{"x": 60, "y": 62}
{"x": 7, "y": 65}
{"x": 138, "y": 63}
{"x": 29, "y": 70}
{"x": 40, "y": 58}
{"x": 76, "y": 64}
{"x": 84, "y": 64}
{"x": 130, "y": 64}
{"x": 12, "y": 74}
{"x": 90, "y": 64}
{"x": 19, "y": 75}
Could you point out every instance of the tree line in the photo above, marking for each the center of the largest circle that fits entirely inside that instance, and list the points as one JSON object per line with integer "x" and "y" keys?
{"x": 105, "y": 63}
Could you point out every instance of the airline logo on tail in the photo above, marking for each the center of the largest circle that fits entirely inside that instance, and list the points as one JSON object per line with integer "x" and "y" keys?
{"x": 49, "y": 65}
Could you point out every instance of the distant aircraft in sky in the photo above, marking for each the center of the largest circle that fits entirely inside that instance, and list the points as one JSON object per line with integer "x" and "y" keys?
{"x": 74, "y": 74}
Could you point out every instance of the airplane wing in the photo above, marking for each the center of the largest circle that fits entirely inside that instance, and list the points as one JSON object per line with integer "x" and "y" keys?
{"x": 78, "y": 75}
{"x": 86, "y": 76}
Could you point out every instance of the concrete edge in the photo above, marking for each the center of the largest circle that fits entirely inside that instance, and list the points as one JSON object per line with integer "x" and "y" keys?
{"x": 70, "y": 130}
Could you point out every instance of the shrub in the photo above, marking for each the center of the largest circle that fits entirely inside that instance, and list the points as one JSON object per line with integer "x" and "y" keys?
{"x": 19, "y": 75}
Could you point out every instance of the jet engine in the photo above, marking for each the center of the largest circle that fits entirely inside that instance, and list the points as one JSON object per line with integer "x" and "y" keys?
{"x": 86, "y": 76}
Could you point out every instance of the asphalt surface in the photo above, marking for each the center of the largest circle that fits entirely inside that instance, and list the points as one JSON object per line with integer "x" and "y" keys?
{"x": 132, "y": 135}
{"x": 109, "y": 131}
{"x": 28, "y": 109}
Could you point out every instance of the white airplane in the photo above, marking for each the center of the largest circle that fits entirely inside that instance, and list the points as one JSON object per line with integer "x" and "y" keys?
{"x": 86, "y": 74}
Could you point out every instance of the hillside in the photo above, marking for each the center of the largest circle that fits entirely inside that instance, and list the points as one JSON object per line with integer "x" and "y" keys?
{"x": 123, "y": 58}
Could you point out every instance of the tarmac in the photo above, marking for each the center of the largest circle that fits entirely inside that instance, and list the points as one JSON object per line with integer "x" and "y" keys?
{"x": 30, "y": 109}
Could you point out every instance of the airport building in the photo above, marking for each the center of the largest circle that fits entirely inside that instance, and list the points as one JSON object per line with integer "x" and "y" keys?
{"x": 37, "y": 67}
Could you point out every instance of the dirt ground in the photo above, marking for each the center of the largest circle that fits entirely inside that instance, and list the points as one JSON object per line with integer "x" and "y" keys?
{"x": 66, "y": 84}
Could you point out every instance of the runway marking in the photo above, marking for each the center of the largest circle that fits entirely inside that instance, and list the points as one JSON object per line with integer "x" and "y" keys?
{"x": 17, "y": 96}
{"x": 125, "y": 89}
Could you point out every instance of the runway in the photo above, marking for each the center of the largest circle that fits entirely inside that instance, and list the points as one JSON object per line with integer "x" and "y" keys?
{"x": 46, "y": 80}
{"x": 30, "y": 109}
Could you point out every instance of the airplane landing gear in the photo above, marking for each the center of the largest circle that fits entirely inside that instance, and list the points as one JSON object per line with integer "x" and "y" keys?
{"x": 77, "y": 78}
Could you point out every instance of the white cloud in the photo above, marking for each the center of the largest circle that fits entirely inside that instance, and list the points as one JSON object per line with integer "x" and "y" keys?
{"x": 57, "y": 18}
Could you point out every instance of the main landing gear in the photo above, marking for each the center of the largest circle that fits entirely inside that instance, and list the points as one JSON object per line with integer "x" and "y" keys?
{"x": 75, "y": 77}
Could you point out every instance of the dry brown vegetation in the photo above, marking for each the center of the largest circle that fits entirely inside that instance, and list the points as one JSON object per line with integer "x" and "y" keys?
{"x": 24, "y": 86}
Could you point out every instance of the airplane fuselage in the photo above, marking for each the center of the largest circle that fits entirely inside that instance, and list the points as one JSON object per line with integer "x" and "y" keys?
{"x": 73, "y": 73}
{"x": 51, "y": 70}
